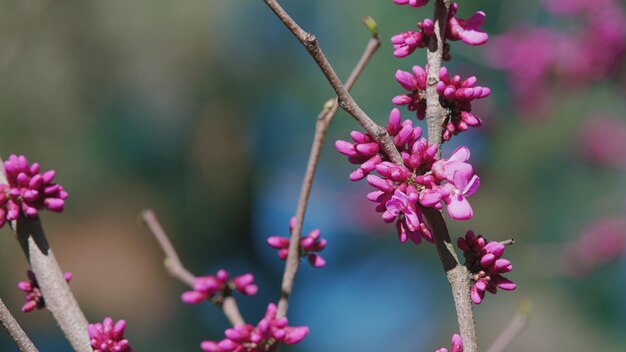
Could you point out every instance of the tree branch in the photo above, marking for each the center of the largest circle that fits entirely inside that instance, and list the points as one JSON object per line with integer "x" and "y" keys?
{"x": 346, "y": 102}
{"x": 517, "y": 324}
{"x": 457, "y": 274}
{"x": 60, "y": 301}
{"x": 176, "y": 269}
{"x": 15, "y": 330}
{"x": 324, "y": 119}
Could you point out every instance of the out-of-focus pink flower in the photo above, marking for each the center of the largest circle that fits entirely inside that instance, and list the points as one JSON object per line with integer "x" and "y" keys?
{"x": 28, "y": 191}
{"x": 601, "y": 242}
{"x": 468, "y": 31}
{"x": 266, "y": 336}
{"x": 309, "y": 245}
{"x": 457, "y": 345}
{"x": 109, "y": 337}
{"x": 207, "y": 287}
{"x": 34, "y": 297}
{"x": 412, "y": 3}
{"x": 484, "y": 261}
{"x": 602, "y": 140}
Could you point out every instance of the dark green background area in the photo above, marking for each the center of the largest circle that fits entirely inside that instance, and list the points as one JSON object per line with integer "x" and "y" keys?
{"x": 204, "y": 111}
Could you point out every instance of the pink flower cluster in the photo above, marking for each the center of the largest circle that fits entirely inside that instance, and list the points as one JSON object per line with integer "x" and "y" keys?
{"x": 468, "y": 31}
{"x": 600, "y": 242}
{"x": 594, "y": 45}
{"x": 265, "y": 337}
{"x": 457, "y": 345}
{"x": 309, "y": 245}
{"x": 456, "y": 95}
{"x": 208, "y": 287}
{"x": 34, "y": 297}
{"x": 28, "y": 191}
{"x": 109, "y": 337}
{"x": 423, "y": 180}
{"x": 484, "y": 260}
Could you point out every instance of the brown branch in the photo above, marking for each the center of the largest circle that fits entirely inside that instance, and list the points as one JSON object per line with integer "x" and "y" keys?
{"x": 309, "y": 41}
{"x": 176, "y": 269}
{"x": 15, "y": 331}
{"x": 324, "y": 119}
{"x": 517, "y": 324}
{"x": 457, "y": 274}
{"x": 60, "y": 301}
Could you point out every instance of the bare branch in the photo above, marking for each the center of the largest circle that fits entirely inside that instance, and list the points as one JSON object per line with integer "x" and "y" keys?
{"x": 324, "y": 119}
{"x": 176, "y": 269}
{"x": 15, "y": 330}
{"x": 517, "y": 324}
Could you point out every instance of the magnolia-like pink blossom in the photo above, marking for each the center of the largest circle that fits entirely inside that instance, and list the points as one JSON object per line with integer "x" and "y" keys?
{"x": 412, "y": 3}
{"x": 405, "y": 43}
{"x": 458, "y": 95}
{"x": 28, "y": 191}
{"x": 207, "y": 287}
{"x": 468, "y": 31}
{"x": 309, "y": 245}
{"x": 108, "y": 336}
{"x": 484, "y": 261}
{"x": 457, "y": 345}
{"x": 34, "y": 297}
{"x": 266, "y": 336}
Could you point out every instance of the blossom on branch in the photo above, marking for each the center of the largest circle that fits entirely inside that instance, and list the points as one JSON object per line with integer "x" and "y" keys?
{"x": 109, "y": 337}
{"x": 484, "y": 261}
{"x": 405, "y": 43}
{"x": 468, "y": 31}
{"x": 209, "y": 287}
{"x": 457, "y": 345}
{"x": 309, "y": 244}
{"x": 265, "y": 337}
{"x": 34, "y": 297}
{"x": 412, "y": 3}
{"x": 28, "y": 190}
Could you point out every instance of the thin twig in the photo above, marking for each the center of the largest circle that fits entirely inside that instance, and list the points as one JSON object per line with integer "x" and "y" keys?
{"x": 60, "y": 301}
{"x": 324, "y": 119}
{"x": 508, "y": 242}
{"x": 15, "y": 331}
{"x": 176, "y": 269}
{"x": 457, "y": 274}
{"x": 517, "y": 324}
{"x": 309, "y": 41}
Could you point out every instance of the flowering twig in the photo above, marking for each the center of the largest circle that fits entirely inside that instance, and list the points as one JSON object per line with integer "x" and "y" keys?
{"x": 60, "y": 301}
{"x": 15, "y": 330}
{"x": 457, "y": 274}
{"x": 324, "y": 119}
{"x": 175, "y": 268}
{"x": 517, "y": 324}
{"x": 345, "y": 100}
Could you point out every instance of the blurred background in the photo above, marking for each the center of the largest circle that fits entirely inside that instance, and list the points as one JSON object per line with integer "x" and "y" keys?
{"x": 204, "y": 111}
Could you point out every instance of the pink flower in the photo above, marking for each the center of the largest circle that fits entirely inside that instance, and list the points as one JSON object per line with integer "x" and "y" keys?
{"x": 28, "y": 191}
{"x": 462, "y": 183}
{"x": 34, "y": 297}
{"x": 412, "y": 3}
{"x": 309, "y": 245}
{"x": 405, "y": 43}
{"x": 208, "y": 287}
{"x": 415, "y": 83}
{"x": 483, "y": 260}
{"x": 109, "y": 337}
{"x": 266, "y": 336}
{"x": 467, "y": 30}
{"x": 457, "y": 345}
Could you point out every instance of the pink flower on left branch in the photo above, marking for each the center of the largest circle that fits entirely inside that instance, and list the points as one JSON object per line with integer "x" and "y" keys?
{"x": 309, "y": 244}
{"x": 28, "y": 190}
{"x": 109, "y": 336}
{"x": 34, "y": 297}
{"x": 209, "y": 287}
{"x": 265, "y": 337}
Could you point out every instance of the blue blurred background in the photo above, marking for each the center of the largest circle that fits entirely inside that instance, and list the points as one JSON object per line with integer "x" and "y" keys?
{"x": 204, "y": 111}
